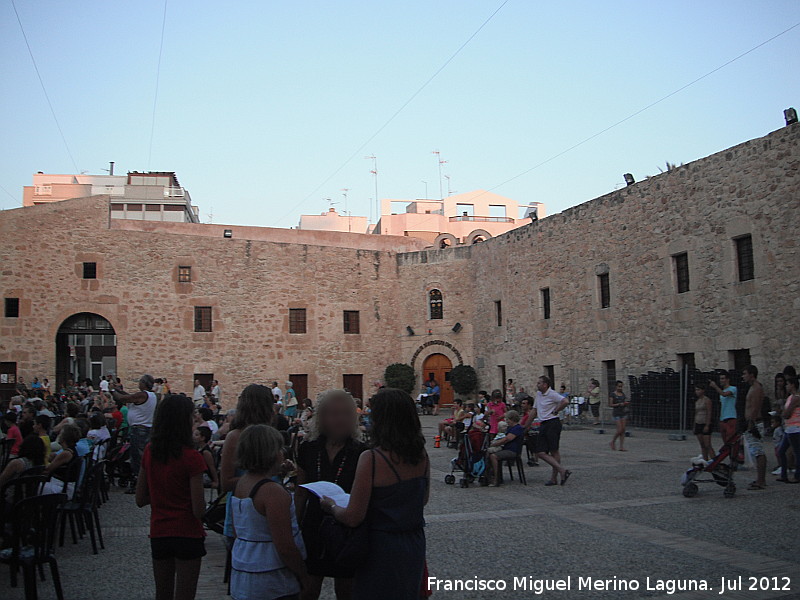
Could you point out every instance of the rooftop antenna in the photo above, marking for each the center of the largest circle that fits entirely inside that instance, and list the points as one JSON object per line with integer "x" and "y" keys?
{"x": 110, "y": 169}
{"x": 210, "y": 213}
{"x": 441, "y": 162}
{"x": 449, "y": 191}
{"x": 344, "y": 193}
{"x": 374, "y": 172}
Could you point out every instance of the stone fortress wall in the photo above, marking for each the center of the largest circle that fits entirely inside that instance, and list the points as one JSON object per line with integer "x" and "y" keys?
{"x": 252, "y": 279}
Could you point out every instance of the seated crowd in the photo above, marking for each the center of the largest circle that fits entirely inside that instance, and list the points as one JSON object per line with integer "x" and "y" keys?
{"x": 52, "y": 434}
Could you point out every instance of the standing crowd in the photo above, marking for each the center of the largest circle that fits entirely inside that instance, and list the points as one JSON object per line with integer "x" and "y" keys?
{"x": 333, "y": 488}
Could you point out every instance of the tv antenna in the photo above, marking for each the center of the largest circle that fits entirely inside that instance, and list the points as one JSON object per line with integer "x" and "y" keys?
{"x": 449, "y": 191}
{"x": 440, "y": 163}
{"x": 374, "y": 172}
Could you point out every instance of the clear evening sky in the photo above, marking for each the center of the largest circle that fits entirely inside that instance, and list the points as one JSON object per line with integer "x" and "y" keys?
{"x": 260, "y": 102}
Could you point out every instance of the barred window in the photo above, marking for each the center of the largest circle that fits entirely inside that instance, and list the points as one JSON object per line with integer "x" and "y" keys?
{"x": 202, "y": 319}
{"x": 605, "y": 290}
{"x": 436, "y": 304}
{"x": 351, "y": 322}
{"x": 297, "y": 320}
{"x": 744, "y": 258}
{"x": 184, "y": 274}
{"x": 546, "y": 303}
{"x": 682, "y": 272}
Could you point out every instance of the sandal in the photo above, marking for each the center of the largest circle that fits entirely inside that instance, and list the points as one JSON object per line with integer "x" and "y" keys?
{"x": 754, "y": 486}
{"x": 566, "y": 476}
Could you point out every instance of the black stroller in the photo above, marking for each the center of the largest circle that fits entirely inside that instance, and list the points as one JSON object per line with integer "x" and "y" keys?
{"x": 470, "y": 460}
{"x": 118, "y": 465}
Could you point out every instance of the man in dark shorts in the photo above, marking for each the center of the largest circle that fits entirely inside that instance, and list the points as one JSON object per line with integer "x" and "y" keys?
{"x": 546, "y": 408}
{"x": 755, "y": 432}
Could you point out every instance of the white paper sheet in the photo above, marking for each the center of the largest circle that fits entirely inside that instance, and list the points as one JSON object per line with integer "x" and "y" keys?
{"x": 331, "y": 490}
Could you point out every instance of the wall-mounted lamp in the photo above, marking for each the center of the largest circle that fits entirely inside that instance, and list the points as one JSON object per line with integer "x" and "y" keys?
{"x": 410, "y": 330}
{"x": 790, "y": 115}
{"x": 457, "y": 327}
{"x": 228, "y": 233}
{"x": 629, "y": 180}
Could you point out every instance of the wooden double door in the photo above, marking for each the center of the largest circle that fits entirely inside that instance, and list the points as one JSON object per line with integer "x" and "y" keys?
{"x": 439, "y": 366}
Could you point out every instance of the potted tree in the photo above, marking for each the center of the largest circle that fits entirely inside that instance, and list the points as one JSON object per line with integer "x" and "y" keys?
{"x": 464, "y": 380}
{"x": 400, "y": 376}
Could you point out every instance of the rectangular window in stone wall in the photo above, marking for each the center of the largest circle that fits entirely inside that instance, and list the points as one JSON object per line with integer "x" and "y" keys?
{"x": 498, "y": 312}
{"x": 610, "y": 369}
{"x": 605, "y": 290}
{"x": 744, "y": 257}
{"x": 202, "y": 318}
{"x": 90, "y": 270}
{"x": 184, "y": 274}
{"x": 681, "y": 272}
{"x": 351, "y": 322}
{"x": 297, "y": 320}
{"x": 12, "y": 308}
{"x": 546, "y": 303}
{"x": 687, "y": 359}
{"x": 739, "y": 359}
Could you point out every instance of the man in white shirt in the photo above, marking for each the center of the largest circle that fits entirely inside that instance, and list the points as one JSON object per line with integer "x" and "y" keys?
{"x": 276, "y": 391}
{"x": 199, "y": 394}
{"x": 546, "y": 408}
{"x": 103, "y": 384}
{"x": 216, "y": 392}
{"x": 141, "y": 410}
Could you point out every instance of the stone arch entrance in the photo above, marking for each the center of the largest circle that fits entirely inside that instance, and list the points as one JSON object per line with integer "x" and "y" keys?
{"x": 439, "y": 366}
{"x": 86, "y": 348}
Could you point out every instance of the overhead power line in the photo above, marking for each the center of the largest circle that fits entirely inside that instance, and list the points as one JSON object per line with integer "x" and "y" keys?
{"x": 44, "y": 89}
{"x": 10, "y": 195}
{"x": 158, "y": 78}
{"x": 411, "y": 98}
{"x": 633, "y": 114}
{"x": 645, "y": 108}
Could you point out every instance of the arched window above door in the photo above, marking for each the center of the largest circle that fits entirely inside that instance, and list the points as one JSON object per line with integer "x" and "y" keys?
{"x": 436, "y": 304}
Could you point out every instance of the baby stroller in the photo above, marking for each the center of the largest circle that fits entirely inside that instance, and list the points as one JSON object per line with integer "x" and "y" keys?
{"x": 720, "y": 470}
{"x": 118, "y": 465}
{"x": 470, "y": 460}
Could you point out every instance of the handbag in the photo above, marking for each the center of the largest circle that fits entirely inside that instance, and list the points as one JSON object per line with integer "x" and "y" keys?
{"x": 346, "y": 547}
{"x": 214, "y": 515}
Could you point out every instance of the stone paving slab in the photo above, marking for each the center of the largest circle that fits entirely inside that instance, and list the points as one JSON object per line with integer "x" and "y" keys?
{"x": 617, "y": 517}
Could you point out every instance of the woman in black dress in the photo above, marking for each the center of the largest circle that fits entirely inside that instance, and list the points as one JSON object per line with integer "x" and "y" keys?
{"x": 389, "y": 494}
{"x": 329, "y": 452}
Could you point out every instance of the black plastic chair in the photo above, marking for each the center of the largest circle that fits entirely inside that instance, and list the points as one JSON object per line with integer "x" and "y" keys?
{"x": 516, "y": 460}
{"x": 82, "y": 509}
{"x": 5, "y": 452}
{"x": 32, "y": 539}
{"x": 23, "y": 486}
{"x": 75, "y": 471}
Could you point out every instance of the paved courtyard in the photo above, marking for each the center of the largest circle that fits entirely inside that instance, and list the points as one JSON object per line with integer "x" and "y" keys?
{"x": 620, "y": 517}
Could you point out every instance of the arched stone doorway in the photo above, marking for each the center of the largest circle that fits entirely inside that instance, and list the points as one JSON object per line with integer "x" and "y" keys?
{"x": 439, "y": 366}
{"x": 86, "y": 348}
